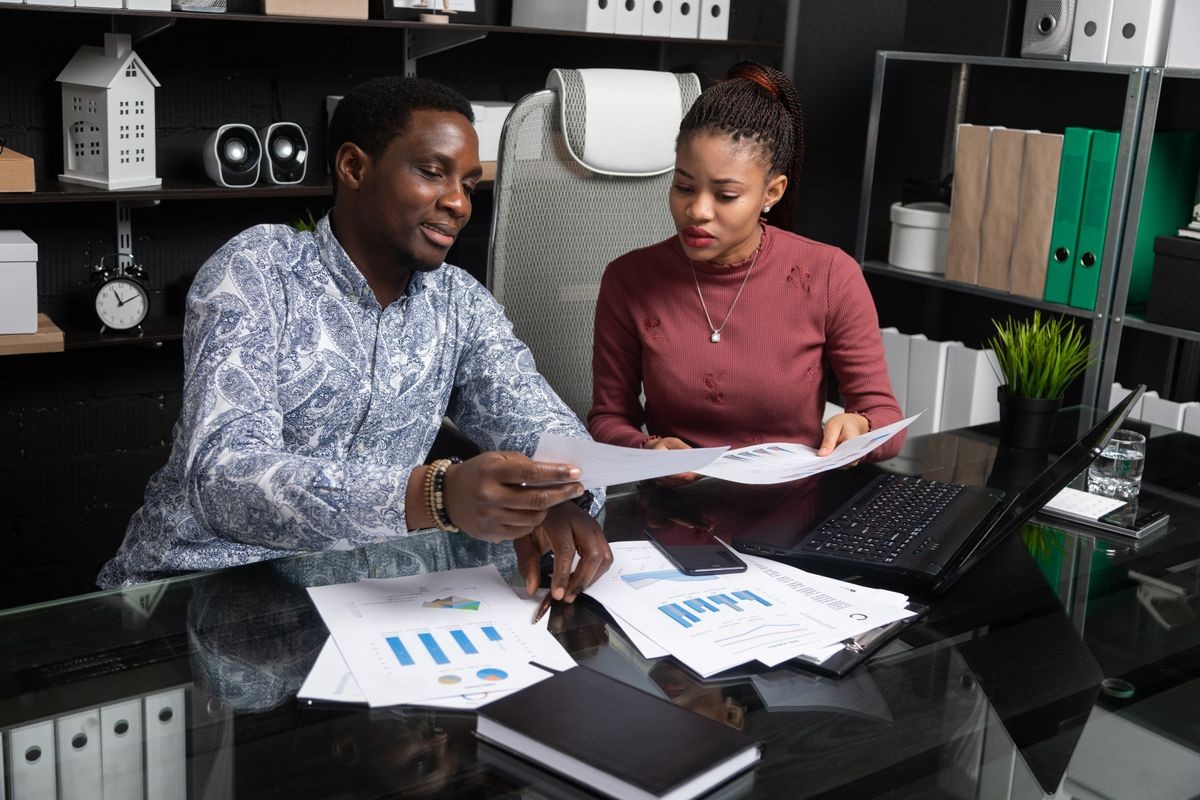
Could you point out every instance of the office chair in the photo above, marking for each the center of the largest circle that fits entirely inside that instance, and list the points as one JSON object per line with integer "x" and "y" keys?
{"x": 583, "y": 174}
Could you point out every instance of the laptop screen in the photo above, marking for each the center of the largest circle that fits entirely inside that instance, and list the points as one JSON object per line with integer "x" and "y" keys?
{"x": 1025, "y": 503}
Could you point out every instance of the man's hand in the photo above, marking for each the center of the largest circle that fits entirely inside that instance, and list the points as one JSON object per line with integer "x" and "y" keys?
{"x": 672, "y": 443}
{"x": 840, "y": 428}
{"x": 567, "y": 530}
{"x": 498, "y": 496}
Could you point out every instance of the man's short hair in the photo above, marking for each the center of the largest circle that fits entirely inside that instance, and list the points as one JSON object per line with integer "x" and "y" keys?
{"x": 378, "y": 110}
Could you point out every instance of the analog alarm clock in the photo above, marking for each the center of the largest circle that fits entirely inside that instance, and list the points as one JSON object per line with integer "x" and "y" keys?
{"x": 121, "y": 299}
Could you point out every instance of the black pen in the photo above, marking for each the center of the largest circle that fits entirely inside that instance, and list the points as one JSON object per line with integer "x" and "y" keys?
{"x": 543, "y": 607}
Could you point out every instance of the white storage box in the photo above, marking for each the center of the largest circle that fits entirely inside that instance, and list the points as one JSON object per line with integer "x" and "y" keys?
{"x": 593, "y": 16}
{"x": 18, "y": 283}
{"x": 489, "y": 121}
{"x": 919, "y": 234}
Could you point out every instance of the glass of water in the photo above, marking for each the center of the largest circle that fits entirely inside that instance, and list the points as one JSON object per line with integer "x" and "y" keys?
{"x": 1117, "y": 472}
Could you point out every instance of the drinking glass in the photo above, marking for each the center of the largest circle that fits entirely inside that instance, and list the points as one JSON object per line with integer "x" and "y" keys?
{"x": 1117, "y": 472}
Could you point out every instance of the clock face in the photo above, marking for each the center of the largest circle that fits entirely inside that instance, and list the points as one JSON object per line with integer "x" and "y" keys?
{"x": 122, "y": 304}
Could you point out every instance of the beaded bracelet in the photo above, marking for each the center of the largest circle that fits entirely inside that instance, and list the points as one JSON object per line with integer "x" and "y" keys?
{"x": 435, "y": 493}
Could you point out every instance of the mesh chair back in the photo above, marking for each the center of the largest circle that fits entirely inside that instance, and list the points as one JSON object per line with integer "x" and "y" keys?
{"x": 555, "y": 226}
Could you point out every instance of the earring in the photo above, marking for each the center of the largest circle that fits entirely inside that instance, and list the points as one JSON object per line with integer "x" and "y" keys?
{"x": 766, "y": 209}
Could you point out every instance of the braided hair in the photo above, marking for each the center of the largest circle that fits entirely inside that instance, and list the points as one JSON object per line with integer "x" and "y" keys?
{"x": 761, "y": 105}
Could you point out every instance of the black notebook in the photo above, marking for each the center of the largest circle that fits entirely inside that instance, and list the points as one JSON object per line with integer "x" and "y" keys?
{"x": 615, "y": 739}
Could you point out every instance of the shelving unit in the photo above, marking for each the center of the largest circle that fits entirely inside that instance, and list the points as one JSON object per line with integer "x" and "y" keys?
{"x": 251, "y": 68}
{"x": 919, "y": 99}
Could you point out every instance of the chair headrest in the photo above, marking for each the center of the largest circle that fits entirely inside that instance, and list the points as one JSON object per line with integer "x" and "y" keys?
{"x": 623, "y": 121}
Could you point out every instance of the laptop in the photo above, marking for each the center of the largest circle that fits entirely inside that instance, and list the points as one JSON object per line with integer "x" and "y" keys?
{"x": 923, "y": 535}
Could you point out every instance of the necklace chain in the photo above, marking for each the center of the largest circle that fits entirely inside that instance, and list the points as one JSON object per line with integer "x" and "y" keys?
{"x": 715, "y": 337}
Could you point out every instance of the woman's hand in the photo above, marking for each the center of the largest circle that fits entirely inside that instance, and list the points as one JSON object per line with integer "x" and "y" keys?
{"x": 671, "y": 443}
{"x": 841, "y": 427}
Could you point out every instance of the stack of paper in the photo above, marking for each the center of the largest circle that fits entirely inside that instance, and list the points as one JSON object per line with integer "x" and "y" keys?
{"x": 770, "y": 613}
{"x": 454, "y": 639}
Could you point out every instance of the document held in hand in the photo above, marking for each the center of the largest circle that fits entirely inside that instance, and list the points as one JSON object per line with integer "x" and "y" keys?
{"x": 773, "y": 462}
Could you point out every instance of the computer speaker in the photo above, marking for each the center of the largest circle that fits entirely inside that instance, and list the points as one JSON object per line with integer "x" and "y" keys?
{"x": 232, "y": 155}
{"x": 285, "y": 152}
{"x": 1047, "y": 29}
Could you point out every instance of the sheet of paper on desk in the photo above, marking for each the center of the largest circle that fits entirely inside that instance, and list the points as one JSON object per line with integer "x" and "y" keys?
{"x": 608, "y": 465}
{"x": 332, "y": 681}
{"x": 460, "y": 634}
{"x": 770, "y": 613}
{"x": 779, "y": 462}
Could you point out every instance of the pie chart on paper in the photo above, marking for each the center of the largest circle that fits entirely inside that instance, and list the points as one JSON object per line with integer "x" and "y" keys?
{"x": 491, "y": 674}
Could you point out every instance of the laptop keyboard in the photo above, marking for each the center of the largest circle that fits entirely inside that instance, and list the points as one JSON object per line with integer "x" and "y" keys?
{"x": 886, "y": 525}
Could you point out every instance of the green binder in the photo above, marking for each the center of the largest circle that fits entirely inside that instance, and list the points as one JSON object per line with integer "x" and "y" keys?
{"x": 1166, "y": 201}
{"x": 1093, "y": 218}
{"x": 1065, "y": 230}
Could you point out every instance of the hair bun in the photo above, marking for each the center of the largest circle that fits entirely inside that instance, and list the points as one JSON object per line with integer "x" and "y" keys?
{"x": 755, "y": 73}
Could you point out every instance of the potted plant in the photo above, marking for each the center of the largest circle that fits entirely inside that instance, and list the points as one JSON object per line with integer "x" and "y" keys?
{"x": 1038, "y": 359}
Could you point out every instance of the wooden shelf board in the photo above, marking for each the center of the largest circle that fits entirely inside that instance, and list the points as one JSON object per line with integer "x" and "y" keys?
{"x": 52, "y": 191}
{"x": 48, "y": 339}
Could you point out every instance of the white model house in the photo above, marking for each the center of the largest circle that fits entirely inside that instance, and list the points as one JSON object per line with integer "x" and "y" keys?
{"x": 108, "y": 117}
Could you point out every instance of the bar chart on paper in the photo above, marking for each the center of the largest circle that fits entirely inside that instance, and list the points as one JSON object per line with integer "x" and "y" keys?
{"x": 687, "y": 611}
{"x": 453, "y": 647}
{"x": 461, "y": 634}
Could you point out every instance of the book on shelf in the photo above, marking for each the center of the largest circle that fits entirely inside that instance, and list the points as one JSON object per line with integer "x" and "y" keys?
{"x": 1190, "y": 232}
{"x": 614, "y": 739}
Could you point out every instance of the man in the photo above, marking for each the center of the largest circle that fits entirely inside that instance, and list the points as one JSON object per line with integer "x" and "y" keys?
{"x": 318, "y": 367}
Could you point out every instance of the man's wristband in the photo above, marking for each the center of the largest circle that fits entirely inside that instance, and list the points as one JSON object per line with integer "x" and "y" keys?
{"x": 435, "y": 493}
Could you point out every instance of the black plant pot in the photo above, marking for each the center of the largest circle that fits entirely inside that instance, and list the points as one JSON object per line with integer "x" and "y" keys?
{"x": 1026, "y": 421}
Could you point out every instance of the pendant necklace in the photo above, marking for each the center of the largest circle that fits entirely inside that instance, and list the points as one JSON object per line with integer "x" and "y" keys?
{"x": 715, "y": 336}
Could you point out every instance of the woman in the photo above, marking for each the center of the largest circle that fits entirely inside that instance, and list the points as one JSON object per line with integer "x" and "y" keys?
{"x": 730, "y": 326}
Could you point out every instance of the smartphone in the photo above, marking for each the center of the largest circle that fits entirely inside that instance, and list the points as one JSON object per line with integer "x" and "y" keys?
{"x": 1131, "y": 520}
{"x": 695, "y": 552}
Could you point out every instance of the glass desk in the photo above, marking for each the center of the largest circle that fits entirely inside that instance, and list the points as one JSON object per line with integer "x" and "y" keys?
{"x": 1050, "y": 669}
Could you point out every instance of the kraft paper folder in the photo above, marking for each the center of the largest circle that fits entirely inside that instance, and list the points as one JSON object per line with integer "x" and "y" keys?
{"x": 1072, "y": 174}
{"x": 999, "y": 223}
{"x": 967, "y": 202}
{"x": 1035, "y": 213}
{"x": 1093, "y": 218}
